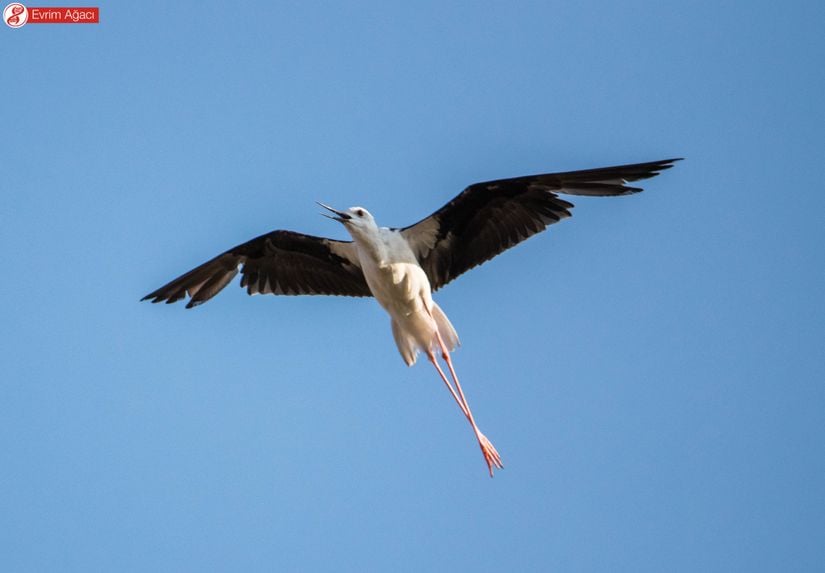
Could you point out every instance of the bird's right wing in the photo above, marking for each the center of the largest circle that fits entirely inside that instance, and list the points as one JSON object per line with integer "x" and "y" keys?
{"x": 280, "y": 262}
{"x": 488, "y": 218}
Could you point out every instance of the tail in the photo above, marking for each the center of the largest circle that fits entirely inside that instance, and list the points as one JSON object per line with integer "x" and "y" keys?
{"x": 445, "y": 328}
{"x": 405, "y": 343}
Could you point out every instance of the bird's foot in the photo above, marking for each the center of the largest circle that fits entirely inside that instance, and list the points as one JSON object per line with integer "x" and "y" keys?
{"x": 490, "y": 454}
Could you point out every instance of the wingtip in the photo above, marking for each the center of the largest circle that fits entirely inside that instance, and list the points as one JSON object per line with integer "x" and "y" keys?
{"x": 663, "y": 165}
{"x": 669, "y": 162}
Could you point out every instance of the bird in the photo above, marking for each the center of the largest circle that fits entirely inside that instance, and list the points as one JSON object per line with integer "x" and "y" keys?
{"x": 402, "y": 267}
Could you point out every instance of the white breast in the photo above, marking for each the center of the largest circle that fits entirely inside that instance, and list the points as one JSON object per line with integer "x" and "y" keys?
{"x": 401, "y": 288}
{"x": 393, "y": 274}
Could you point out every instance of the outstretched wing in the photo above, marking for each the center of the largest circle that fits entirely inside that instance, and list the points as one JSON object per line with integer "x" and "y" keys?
{"x": 488, "y": 218}
{"x": 280, "y": 262}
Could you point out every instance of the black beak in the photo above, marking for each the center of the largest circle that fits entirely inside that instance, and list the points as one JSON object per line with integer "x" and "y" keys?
{"x": 341, "y": 218}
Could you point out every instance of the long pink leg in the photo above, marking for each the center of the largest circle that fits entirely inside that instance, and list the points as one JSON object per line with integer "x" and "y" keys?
{"x": 458, "y": 401}
{"x": 491, "y": 456}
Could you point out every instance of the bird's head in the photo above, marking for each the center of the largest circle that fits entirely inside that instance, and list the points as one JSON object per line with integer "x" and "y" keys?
{"x": 357, "y": 220}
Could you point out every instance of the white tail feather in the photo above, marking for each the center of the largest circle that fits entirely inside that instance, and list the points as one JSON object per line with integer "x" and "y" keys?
{"x": 445, "y": 328}
{"x": 405, "y": 343}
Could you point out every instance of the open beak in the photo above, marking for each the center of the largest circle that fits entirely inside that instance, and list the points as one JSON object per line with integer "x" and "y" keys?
{"x": 341, "y": 216}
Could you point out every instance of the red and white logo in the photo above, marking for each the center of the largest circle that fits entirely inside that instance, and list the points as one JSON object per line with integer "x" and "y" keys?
{"x": 15, "y": 15}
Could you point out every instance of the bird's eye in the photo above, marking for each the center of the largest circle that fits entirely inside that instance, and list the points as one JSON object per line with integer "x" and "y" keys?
{"x": 360, "y": 212}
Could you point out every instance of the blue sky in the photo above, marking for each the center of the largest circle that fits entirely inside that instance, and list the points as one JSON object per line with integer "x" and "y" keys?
{"x": 651, "y": 370}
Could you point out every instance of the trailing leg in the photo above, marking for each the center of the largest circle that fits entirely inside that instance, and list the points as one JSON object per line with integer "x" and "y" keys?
{"x": 491, "y": 456}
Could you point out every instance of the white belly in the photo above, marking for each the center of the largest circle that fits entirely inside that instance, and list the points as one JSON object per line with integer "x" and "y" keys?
{"x": 401, "y": 288}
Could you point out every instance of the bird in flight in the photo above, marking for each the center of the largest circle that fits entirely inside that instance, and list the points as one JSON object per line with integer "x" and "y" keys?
{"x": 401, "y": 267}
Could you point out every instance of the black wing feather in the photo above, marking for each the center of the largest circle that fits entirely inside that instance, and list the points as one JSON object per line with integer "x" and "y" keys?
{"x": 280, "y": 262}
{"x": 490, "y": 217}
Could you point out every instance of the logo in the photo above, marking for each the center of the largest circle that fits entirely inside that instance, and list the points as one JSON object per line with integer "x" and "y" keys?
{"x": 15, "y": 15}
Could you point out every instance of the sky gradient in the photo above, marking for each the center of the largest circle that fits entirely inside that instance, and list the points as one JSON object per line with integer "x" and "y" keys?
{"x": 650, "y": 370}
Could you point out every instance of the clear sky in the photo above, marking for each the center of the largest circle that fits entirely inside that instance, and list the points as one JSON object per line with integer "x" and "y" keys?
{"x": 651, "y": 370}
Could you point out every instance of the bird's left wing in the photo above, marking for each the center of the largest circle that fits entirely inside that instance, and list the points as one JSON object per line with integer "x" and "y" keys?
{"x": 280, "y": 262}
{"x": 488, "y": 218}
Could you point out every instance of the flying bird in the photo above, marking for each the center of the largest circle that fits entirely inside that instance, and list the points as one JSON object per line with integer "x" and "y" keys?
{"x": 401, "y": 267}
